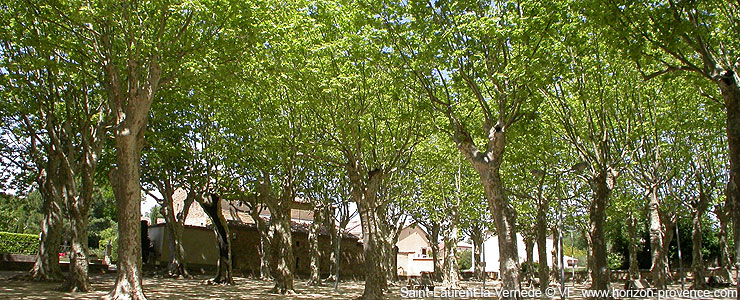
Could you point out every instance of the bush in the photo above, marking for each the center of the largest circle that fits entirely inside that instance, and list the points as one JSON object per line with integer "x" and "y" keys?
{"x": 615, "y": 260}
{"x": 109, "y": 235}
{"x": 19, "y": 243}
{"x": 464, "y": 260}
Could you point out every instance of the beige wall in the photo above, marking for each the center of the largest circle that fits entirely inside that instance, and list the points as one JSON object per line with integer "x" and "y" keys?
{"x": 199, "y": 244}
{"x": 201, "y": 250}
{"x": 412, "y": 239}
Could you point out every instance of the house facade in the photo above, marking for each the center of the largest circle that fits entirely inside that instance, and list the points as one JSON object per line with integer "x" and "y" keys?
{"x": 414, "y": 255}
{"x": 491, "y": 253}
{"x": 414, "y": 252}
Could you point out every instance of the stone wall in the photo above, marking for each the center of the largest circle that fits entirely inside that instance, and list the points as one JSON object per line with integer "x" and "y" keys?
{"x": 201, "y": 250}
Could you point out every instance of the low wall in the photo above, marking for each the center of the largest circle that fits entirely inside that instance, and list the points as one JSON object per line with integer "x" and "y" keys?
{"x": 24, "y": 262}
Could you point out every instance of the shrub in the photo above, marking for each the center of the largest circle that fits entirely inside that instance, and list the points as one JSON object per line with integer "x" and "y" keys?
{"x": 464, "y": 260}
{"x": 19, "y": 243}
{"x": 109, "y": 235}
{"x": 615, "y": 260}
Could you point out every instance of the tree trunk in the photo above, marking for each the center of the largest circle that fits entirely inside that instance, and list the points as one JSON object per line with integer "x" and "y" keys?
{"x": 46, "y": 267}
{"x": 477, "y": 236}
{"x": 282, "y": 248}
{"x": 212, "y": 207}
{"x": 126, "y": 185}
{"x": 78, "y": 207}
{"x": 434, "y": 241}
{"x": 313, "y": 241}
{"x": 555, "y": 271}
{"x": 487, "y": 165}
{"x": 597, "y": 221}
{"x": 281, "y": 238}
{"x": 543, "y": 268}
{"x": 451, "y": 275}
{"x": 730, "y": 91}
{"x": 264, "y": 248}
{"x": 175, "y": 226}
{"x": 724, "y": 262}
{"x": 364, "y": 190}
{"x": 504, "y": 216}
{"x": 634, "y": 268}
{"x": 333, "y": 239}
{"x": 697, "y": 263}
{"x": 388, "y": 250}
{"x": 669, "y": 227}
{"x": 77, "y": 280}
{"x": 658, "y": 269}
{"x": 529, "y": 249}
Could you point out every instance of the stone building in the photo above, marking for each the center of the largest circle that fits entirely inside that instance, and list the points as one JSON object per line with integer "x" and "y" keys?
{"x": 201, "y": 250}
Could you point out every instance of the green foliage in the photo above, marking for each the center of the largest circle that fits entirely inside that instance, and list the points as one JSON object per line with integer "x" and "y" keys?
{"x": 102, "y": 216}
{"x": 575, "y": 252}
{"x": 18, "y": 243}
{"x": 615, "y": 260}
{"x": 464, "y": 260}
{"x": 21, "y": 214}
{"x": 109, "y": 235}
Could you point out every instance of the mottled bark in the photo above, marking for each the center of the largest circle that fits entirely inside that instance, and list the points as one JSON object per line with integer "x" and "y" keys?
{"x": 313, "y": 241}
{"x": 488, "y": 166}
{"x": 78, "y": 207}
{"x": 601, "y": 185}
{"x": 730, "y": 90}
{"x": 264, "y": 248}
{"x": 724, "y": 261}
{"x": 555, "y": 270}
{"x": 333, "y": 239}
{"x": 434, "y": 232}
{"x": 697, "y": 261}
{"x": 504, "y": 216}
{"x": 634, "y": 269}
{"x": 387, "y": 251}
{"x": 126, "y": 186}
{"x": 282, "y": 241}
{"x": 529, "y": 250}
{"x": 451, "y": 275}
{"x": 46, "y": 267}
{"x": 657, "y": 269}
{"x": 477, "y": 236}
{"x": 212, "y": 207}
{"x": 364, "y": 190}
{"x": 130, "y": 97}
{"x": 669, "y": 224}
{"x": 175, "y": 223}
{"x": 282, "y": 248}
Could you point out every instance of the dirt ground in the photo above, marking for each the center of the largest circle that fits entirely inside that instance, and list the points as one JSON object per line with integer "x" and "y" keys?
{"x": 245, "y": 288}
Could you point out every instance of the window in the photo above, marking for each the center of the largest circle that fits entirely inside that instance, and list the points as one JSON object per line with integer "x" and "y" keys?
{"x": 424, "y": 251}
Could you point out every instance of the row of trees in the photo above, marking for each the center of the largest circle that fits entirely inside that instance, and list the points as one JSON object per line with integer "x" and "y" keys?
{"x": 452, "y": 114}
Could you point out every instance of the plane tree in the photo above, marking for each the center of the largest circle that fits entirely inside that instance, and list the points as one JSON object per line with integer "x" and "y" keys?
{"x": 537, "y": 178}
{"x": 480, "y": 66}
{"x": 695, "y": 39}
{"x": 367, "y": 121}
{"x": 65, "y": 114}
{"x": 592, "y": 111}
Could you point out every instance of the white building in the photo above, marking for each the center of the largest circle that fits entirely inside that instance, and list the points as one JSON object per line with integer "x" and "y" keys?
{"x": 491, "y": 253}
{"x": 415, "y": 252}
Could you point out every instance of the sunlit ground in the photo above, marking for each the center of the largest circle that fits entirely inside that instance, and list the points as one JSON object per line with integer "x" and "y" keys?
{"x": 245, "y": 288}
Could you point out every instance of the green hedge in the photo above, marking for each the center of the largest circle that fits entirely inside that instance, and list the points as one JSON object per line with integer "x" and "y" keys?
{"x": 19, "y": 243}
